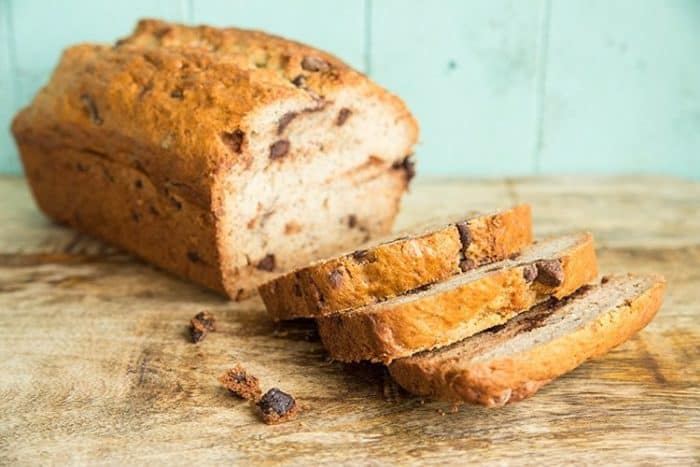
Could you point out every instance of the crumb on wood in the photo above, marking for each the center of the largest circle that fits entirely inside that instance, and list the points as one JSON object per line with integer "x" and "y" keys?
{"x": 278, "y": 407}
{"x": 203, "y": 323}
{"x": 240, "y": 383}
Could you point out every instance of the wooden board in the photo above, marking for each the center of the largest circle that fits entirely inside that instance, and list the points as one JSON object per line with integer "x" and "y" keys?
{"x": 95, "y": 364}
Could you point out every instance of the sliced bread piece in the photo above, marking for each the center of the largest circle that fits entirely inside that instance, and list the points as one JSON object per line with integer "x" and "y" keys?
{"x": 449, "y": 311}
{"x": 511, "y": 362}
{"x": 384, "y": 269}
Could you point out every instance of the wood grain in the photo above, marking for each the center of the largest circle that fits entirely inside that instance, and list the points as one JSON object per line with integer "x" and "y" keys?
{"x": 95, "y": 365}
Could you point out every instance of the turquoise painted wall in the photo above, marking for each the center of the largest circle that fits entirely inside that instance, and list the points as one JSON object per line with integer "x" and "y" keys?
{"x": 501, "y": 87}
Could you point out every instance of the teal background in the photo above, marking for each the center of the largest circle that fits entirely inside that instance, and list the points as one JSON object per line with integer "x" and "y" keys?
{"x": 500, "y": 87}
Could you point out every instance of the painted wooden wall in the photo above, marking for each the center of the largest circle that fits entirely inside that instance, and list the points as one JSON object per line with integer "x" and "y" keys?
{"x": 501, "y": 87}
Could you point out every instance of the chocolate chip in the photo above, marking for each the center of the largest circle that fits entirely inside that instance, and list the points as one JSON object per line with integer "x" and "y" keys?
{"x": 529, "y": 273}
{"x": 138, "y": 184}
{"x": 177, "y": 94}
{"x": 313, "y": 63}
{"x": 277, "y": 406}
{"x": 267, "y": 263}
{"x": 407, "y": 165}
{"x": 363, "y": 256}
{"x": 352, "y": 221}
{"x": 605, "y": 280}
{"x": 202, "y": 323}
{"x": 465, "y": 235}
{"x": 285, "y": 120}
{"x": 90, "y": 108}
{"x": 279, "y": 149}
{"x": 343, "y": 115}
{"x": 194, "y": 256}
{"x": 299, "y": 81}
{"x": 335, "y": 278}
{"x": 466, "y": 264}
{"x": 233, "y": 140}
{"x": 550, "y": 272}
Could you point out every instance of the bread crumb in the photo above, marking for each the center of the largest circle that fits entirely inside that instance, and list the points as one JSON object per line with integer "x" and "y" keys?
{"x": 202, "y": 324}
{"x": 240, "y": 383}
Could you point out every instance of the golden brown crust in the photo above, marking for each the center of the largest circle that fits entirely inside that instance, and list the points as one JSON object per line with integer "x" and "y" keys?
{"x": 499, "y": 381}
{"x": 118, "y": 204}
{"x": 386, "y": 332}
{"x": 393, "y": 268}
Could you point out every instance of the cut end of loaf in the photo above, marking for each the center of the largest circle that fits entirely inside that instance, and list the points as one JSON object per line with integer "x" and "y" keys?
{"x": 512, "y": 361}
{"x": 327, "y": 174}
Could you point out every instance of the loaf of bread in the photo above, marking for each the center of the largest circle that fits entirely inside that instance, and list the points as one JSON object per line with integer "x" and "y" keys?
{"x": 458, "y": 307}
{"x": 223, "y": 155}
{"x": 409, "y": 260}
{"x": 511, "y": 362}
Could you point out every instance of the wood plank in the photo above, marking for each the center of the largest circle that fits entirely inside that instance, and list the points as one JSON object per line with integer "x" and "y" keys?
{"x": 95, "y": 365}
{"x": 468, "y": 72}
{"x": 337, "y": 27}
{"x": 621, "y": 88}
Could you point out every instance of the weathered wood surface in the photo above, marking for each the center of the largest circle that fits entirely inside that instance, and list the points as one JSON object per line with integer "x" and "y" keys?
{"x": 95, "y": 365}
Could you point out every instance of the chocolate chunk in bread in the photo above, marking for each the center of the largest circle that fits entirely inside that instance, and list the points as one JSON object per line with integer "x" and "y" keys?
{"x": 234, "y": 140}
{"x": 343, "y": 116}
{"x": 550, "y": 272}
{"x": 267, "y": 263}
{"x": 408, "y": 166}
{"x": 279, "y": 149}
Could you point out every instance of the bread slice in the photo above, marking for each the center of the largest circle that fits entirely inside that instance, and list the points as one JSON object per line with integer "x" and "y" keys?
{"x": 449, "y": 311}
{"x": 385, "y": 269}
{"x": 510, "y": 362}
{"x": 226, "y": 156}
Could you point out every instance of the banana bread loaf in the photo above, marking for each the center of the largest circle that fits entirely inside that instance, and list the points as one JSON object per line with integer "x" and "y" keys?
{"x": 223, "y": 155}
